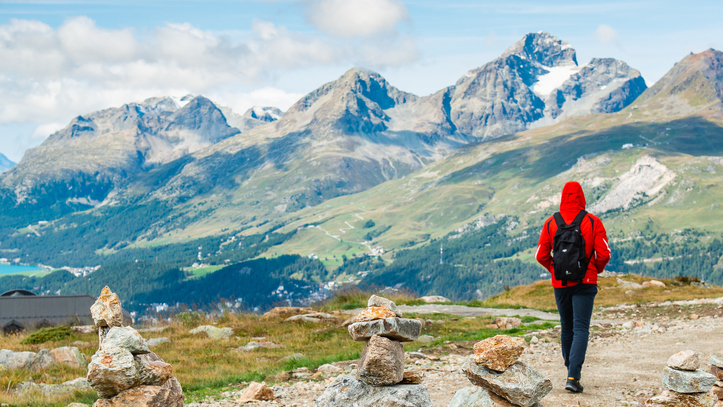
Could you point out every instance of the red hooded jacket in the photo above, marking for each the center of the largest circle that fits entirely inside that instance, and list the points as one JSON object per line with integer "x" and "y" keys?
{"x": 596, "y": 240}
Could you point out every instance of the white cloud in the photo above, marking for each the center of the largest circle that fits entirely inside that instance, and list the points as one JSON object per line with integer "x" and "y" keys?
{"x": 606, "y": 34}
{"x": 357, "y": 18}
{"x": 49, "y": 75}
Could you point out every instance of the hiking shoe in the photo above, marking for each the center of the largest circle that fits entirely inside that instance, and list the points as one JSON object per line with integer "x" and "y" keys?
{"x": 573, "y": 385}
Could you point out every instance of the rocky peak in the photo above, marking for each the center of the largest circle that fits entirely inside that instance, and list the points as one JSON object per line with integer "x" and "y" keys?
{"x": 200, "y": 116}
{"x": 5, "y": 163}
{"x": 544, "y": 49}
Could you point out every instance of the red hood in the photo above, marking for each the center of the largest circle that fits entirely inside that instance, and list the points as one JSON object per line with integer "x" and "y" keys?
{"x": 572, "y": 200}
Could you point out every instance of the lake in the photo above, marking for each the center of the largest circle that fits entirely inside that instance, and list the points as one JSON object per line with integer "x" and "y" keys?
{"x": 13, "y": 269}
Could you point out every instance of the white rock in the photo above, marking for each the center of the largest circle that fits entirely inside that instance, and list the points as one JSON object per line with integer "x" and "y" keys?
{"x": 686, "y": 360}
{"x": 213, "y": 332}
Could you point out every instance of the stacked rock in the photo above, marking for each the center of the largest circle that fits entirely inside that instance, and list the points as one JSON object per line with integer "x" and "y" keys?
{"x": 501, "y": 379}
{"x": 686, "y": 384}
{"x": 716, "y": 368}
{"x": 124, "y": 371}
{"x": 380, "y": 378}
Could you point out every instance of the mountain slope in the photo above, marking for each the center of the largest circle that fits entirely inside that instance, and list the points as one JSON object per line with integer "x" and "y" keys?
{"x": 5, "y": 164}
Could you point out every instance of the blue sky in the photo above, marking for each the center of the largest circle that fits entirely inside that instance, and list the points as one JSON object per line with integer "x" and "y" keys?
{"x": 62, "y": 58}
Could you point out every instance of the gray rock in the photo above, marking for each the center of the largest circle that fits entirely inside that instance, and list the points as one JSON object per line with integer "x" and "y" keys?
{"x": 314, "y": 318}
{"x": 426, "y": 338}
{"x": 672, "y": 399}
{"x": 152, "y": 370}
{"x": 157, "y": 341}
{"x": 126, "y": 338}
{"x": 68, "y": 356}
{"x": 478, "y": 397}
{"x": 400, "y": 329}
{"x": 213, "y": 332}
{"x": 686, "y": 360}
{"x": 253, "y": 345}
{"x": 716, "y": 361}
{"x": 329, "y": 369}
{"x": 681, "y": 381}
{"x": 294, "y": 356}
{"x": 377, "y": 301}
{"x": 519, "y": 384}
{"x": 10, "y": 360}
{"x": 112, "y": 370}
{"x": 69, "y": 387}
{"x": 429, "y": 299}
{"x": 347, "y": 391}
{"x": 382, "y": 362}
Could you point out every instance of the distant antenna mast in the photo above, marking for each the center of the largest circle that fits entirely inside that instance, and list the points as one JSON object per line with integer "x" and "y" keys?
{"x": 441, "y": 253}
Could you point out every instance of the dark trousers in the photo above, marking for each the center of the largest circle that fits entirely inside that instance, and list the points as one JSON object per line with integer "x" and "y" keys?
{"x": 575, "y": 307}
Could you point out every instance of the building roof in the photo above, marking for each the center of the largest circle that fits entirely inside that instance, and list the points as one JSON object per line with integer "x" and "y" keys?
{"x": 18, "y": 293}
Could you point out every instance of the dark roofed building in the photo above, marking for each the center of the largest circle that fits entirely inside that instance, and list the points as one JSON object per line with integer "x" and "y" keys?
{"x": 22, "y": 309}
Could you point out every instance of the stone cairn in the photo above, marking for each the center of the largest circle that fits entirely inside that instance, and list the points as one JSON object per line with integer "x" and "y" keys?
{"x": 124, "y": 371}
{"x": 380, "y": 379}
{"x": 686, "y": 385}
{"x": 716, "y": 368}
{"x": 499, "y": 377}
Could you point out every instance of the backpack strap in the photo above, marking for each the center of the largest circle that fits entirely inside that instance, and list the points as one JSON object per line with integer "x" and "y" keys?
{"x": 578, "y": 219}
{"x": 559, "y": 221}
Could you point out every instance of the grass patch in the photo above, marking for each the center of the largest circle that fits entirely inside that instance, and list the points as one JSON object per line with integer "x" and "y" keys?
{"x": 43, "y": 335}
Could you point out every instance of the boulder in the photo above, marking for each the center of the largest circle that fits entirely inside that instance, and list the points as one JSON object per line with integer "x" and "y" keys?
{"x": 682, "y": 381}
{"x": 672, "y": 399}
{"x": 426, "y": 338}
{"x": 168, "y": 395}
{"x": 68, "y": 356}
{"x": 257, "y": 392}
{"x": 507, "y": 323}
{"x": 377, "y": 301}
{"x": 629, "y": 285}
{"x": 329, "y": 369}
{"x": 400, "y": 329}
{"x": 716, "y": 361}
{"x": 285, "y": 312}
{"x": 153, "y": 342}
{"x": 372, "y": 313}
{"x": 314, "y": 318}
{"x": 347, "y": 391}
{"x": 10, "y": 360}
{"x": 213, "y": 332}
{"x": 126, "y": 338}
{"x": 434, "y": 298}
{"x": 382, "y": 362}
{"x": 519, "y": 384}
{"x": 69, "y": 387}
{"x": 717, "y": 372}
{"x": 499, "y": 352}
{"x": 478, "y": 397}
{"x": 253, "y": 345}
{"x": 107, "y": 310}
{"x": 653, "y": 284}
{"x": 112, "y": 370}
{"x": 152, "y": 370}
{"x": 717, "y": 390}
{"x": 685, "y": 360}
{"x": 412, "y": 377}
{"x": 84, "y": 329}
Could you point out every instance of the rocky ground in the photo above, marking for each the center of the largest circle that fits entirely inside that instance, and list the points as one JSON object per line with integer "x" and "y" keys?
{"x": 629, "y": 346}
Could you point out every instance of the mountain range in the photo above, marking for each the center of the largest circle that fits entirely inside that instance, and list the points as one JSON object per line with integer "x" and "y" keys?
{"x": 5, "y": 163}
{"x": 358, "y": 166}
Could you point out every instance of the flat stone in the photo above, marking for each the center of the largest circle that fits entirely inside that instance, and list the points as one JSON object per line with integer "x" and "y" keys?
{"x": 682, "y": 381}
{"x": 347, "y": 391}
{"x": 672, "y": 399}
{"x": 153, "y": 342}
{"x": 382, "y": 362}
{"x": 285, "y": 312}
{"x": 377, "y": 301}
{"x": 329, "y": 369}
{"x": 372, "y": 313}
{"x": 314, "y": 318}
{"x": 434, "y": 298}
{"x": 168, "y": 395}
{"x": 111, "y": 370}
{"x": 478, "y": 397}
{"x": 499, "y": 352}
{"x": 426, "y": 338}
{"x": 685, "y": 360}
{"x": 10, "y": 360}
{"x": 519, "y": 384}
{"x": 400, "y": 329}
{"x": 653, "y": 284}
{"x": 107, "y": 310}
{"x": 127, "y": 338}
{"x": 68, "y": 356}
{"x": 413, "y": 377}
{"x": 257, "y": 392}
{"x": 213, "y": 332}
{"x": 507, "y": 322}
{"x": 84, "y": 329}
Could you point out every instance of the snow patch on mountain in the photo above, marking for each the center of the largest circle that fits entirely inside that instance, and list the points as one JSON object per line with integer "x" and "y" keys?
{"x": 553, "y": 79}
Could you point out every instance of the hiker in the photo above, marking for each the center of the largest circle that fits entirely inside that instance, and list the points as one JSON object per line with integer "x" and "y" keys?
{"x": 580, "y": 251}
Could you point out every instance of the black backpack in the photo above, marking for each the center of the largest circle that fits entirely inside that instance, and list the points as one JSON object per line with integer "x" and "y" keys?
{"x": 568, "y": 249}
